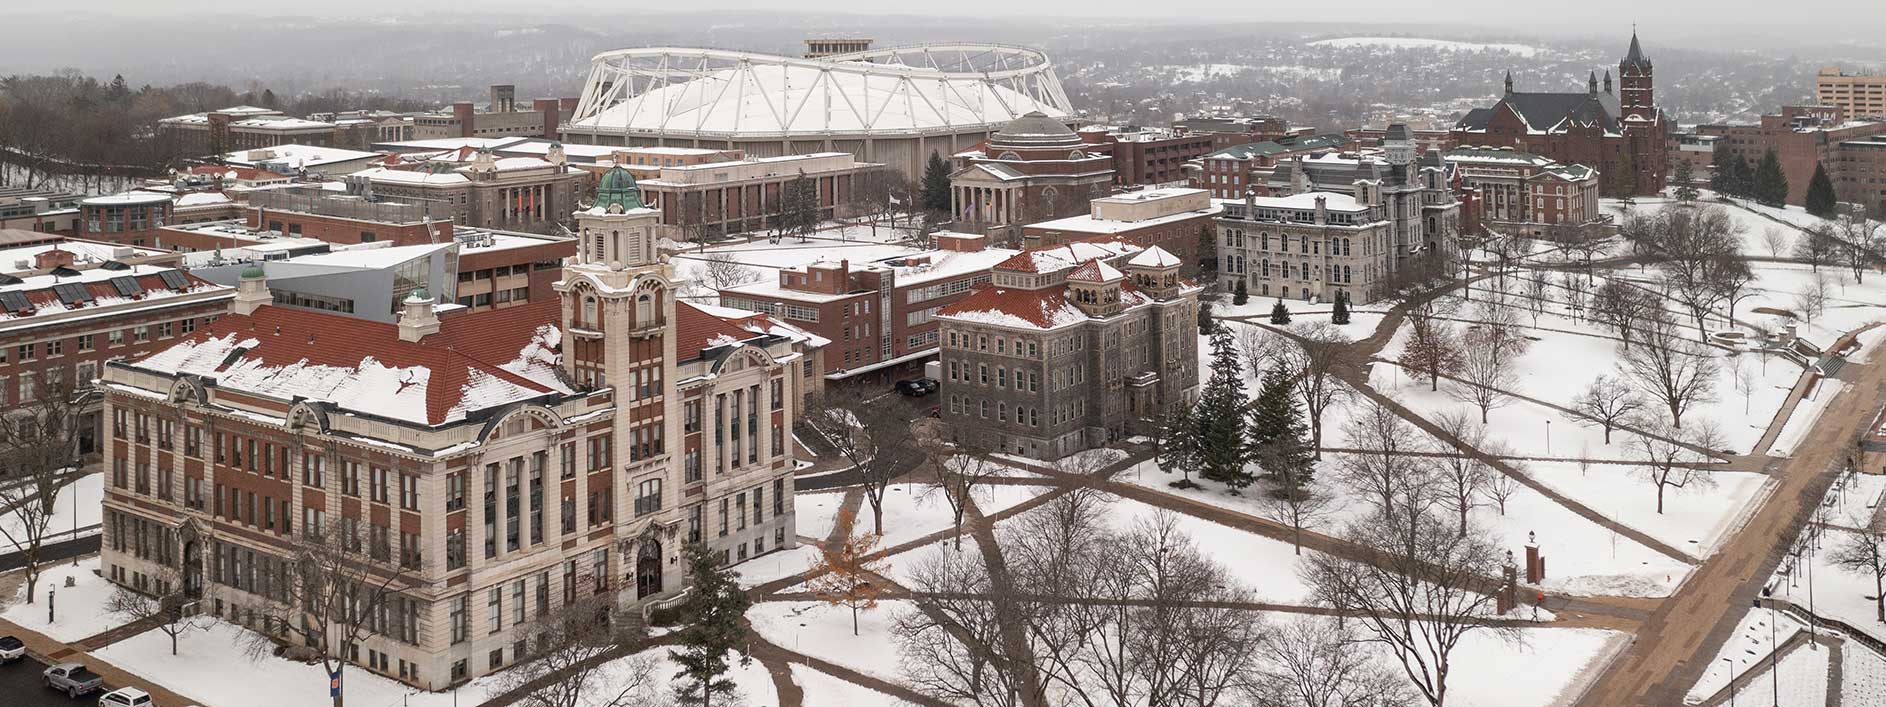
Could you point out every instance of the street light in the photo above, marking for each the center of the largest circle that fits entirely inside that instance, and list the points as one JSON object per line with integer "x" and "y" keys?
{"x": 1774, "y": 656}
{"x": 1548, "y": 436}
{"x": 1731, "y": 662}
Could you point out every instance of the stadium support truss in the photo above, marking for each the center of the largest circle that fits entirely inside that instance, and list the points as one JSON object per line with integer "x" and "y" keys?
{"x": 918, "y": 90}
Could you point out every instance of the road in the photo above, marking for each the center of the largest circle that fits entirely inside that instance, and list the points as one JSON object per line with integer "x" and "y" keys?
{"x": 915, "y": 409}
{"x": 1683, "y": 634}
{"x": 78, "y": 547}
{"x": 22, "y": 686}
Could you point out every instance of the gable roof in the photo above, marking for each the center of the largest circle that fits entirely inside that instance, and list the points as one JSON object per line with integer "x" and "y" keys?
{"x": 1154, "y": 257}
{"x": 697, "y": 330}
{"x": 1095, "y": 270}
{"x": 1550, "y": 112}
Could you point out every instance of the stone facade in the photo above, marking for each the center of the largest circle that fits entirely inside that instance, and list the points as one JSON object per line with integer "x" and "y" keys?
{"x": 1064, "y": 351}
{"x": 1307, "y": 246}
{"x": 1413, "y": 193}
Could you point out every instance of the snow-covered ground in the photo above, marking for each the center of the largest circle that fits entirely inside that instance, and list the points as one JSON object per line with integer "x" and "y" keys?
{"x": 78, "y": 611}
{"x": 778, "y": 564}
{"x": 1542, "y": 670}
{"x": 78, "y": 505}
{"x": 1694, "y": 520}
{"x": 1521, "y": 50}
{"x": 1801, "y": 421}
{"x": 822, "y": 689}
{"x": 1748, "y": 650}
{"x": 823, "y": 630}
{"x": 911, "y": 510}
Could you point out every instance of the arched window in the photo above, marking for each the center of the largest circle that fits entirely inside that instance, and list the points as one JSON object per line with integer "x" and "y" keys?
{"x": 590, "y": 314}
{"x": 644, "y": 310}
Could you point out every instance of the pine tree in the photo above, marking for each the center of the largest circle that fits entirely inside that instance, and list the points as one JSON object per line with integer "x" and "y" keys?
{"x": 1722, "y": 174}
{"x": 1277, "y": 430}
{"x": 936, "y": 185}
{"x": 268, "y": 98}
{"x": 1240, "y": 294}
{"x": 1685, "y": 181}
{"x": 1279, "y": 314}
{"x": 1820, "y": 199}
{"x": 1625, "y": 183}
{"x": 119, "y": 91}
{"x": 1206, "y": 324}
{"x": 1207, "y": 254}
{"x": 1741, "y": 178}
{"x": 713, "y": 631}
{"x": 1178, "y": 445}
{"x": 1341, "y": 314}
{"x": 1219, "y": 417}
{"x": 1771, "y": 184}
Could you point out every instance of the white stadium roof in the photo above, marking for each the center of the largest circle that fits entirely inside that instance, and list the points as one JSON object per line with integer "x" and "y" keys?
{"x": 927, "y": 89}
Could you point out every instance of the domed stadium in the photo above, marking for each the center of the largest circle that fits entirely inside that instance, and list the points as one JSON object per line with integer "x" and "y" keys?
{"x": 893, "y": 106}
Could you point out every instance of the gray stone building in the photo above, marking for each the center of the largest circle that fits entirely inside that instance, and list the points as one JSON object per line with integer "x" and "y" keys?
{"x": 1070, "y": 347}
{"x": 1423, "y": 215}
{"x": 1306, "y": 246}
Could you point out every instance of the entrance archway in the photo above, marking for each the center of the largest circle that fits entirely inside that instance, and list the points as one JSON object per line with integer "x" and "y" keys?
{"x": 648, "y": 569}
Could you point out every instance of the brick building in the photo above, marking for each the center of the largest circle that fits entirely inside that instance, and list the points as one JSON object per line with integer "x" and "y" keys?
{"x": 1034, "y": 169}
{"x": 1227, "y": 131}
{"x": 1618, "y": 132}
{"x": 708, "y": 198}
{"x": 1859, "y": 94}
{"x": 1230, "y": 172}
{"x": 1803, "y": 136}
{"x": 69, "y": 305}
{"x": 502, "y": 117}
{"x": 506, "y": 462}
{"x": 1071, "y": 347}
{"x": 509, "y": 193}
{"x": 1148, "y": 156}
{"x": 1529, "y": 194}
{"x": 1169, "y": 218}
{"x": 879, "y": 316}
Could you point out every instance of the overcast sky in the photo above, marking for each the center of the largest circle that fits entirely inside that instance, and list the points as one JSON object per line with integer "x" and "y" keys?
{"x": 1520, "y": 16}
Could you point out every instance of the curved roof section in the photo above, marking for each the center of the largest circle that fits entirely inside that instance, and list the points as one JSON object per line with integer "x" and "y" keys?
{"x": 706, "y": 92}
{"x": 1036, "y": 129}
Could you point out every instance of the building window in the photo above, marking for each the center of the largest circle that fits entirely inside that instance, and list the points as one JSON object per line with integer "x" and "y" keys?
{"x": 648, "y": 497}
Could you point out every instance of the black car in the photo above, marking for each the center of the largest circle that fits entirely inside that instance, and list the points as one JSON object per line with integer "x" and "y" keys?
{"x": 11, "y": 649}
{"x": 917, "y": 387}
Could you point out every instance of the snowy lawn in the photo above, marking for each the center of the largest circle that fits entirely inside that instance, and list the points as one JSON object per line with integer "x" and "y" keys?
{"x": 1748, "y": 650}
{"x": 1801, "y": 421}
{"x": 78, "y": 610}
{"x": 1863, "y": 673}
{"x": 1582, "y": 557}
{"x": 822, "y": 630}
{"x": 778, "y": 564}
{"x": 1694, "y": 520}
{"x": 815, "y": 512}
{"x": 1541, "y": 671}
{"x": 81, "y": 502}
{"x": 911, "y": 511}
{"x": 822, "y": 689}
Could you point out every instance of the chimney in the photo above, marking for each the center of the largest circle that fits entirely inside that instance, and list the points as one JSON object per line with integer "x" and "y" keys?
{"x": 416, "y": 318}
{"x": 49, "y": 259}
{"x": 548, "y": 108}
{"x": 462, "y": 112}
{"x": 251, "y": 291}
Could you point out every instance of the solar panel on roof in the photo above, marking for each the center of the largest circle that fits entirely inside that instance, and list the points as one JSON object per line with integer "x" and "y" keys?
{"x": 72, "y": 294}
{"x": 127, "y": 286}
{"x": 15, "y": 302}
{"x": 115, "y": 265}
{"x": 174, "y": 280}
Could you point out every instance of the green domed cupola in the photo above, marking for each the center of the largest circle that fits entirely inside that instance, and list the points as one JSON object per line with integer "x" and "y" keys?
{"x": 617, "y": 191}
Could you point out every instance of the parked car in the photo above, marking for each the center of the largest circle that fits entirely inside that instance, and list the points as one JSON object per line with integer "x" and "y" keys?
{"x": 917, "y": 387}
{"x": 125, "y": 697}
{"x": 11, "y": 649}
{"x": 73, "y": 679}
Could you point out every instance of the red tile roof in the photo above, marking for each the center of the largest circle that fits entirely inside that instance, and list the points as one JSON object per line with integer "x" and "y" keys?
{"x": 696, "y": 330}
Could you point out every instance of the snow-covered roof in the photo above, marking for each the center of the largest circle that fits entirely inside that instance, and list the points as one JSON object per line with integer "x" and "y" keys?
{"x": 1096, "y": 270}
{"x": 1332, "y": 201}
{"x": 202, "y": 198}
{"x": 405, "y": 176}
{"x": 1086, "y": 223}
{"x": 298, "y": 155}
{"x": 126, "y": 198}
{"x": 1154, "y": 257}
{"x": 1062, "y": 257}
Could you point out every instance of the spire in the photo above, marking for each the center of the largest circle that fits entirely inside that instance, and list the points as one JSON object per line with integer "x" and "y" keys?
{"x": 1607, "y": 80}
{"x": 1591, "y": 84}
{"x": 1509, "y": 82}
{"x": 1635, "y": 57}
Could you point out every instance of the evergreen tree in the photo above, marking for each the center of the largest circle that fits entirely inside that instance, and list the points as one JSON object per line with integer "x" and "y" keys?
{"x": 713, "y": 631}
{"x": 1624, "y": 185}
{"x": 1741, "y": 178}
{"x": 1206, "y": 324}
{"x": 936, "y": 185}
{"x": 1207, "y": 254}
{"x": 1277, "y": 430}
{"x": 1279, "y": 314}
{"x": 1820, "y": 193}
{"x": 1341, "y": 314}
{"x": 1219, "y": 418}
{"x": 1685, "y": 181}
{"x": 1240, "y": 294}
{"x": 119, "y": 90}
{"x": 268, "y": 98}
{"x": 1771, "y": 184}
{"x": 1178, "y": 444}
{"x": 1721, "y": 178}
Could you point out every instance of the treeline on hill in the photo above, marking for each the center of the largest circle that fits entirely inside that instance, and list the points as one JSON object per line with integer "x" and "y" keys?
{"x": 67, "y": 123}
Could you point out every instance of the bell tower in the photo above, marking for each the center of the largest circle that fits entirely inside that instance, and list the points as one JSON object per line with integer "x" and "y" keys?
{"x": 1636, "y": 97}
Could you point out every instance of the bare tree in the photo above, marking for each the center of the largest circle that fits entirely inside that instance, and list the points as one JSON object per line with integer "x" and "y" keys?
{"x": 333, "y": 588}
{"x": 1672, "y": 457}
{"x": 572, "y": 665}
{"x": 1500, "y": 488}
{"x": 1433, "y": 349}
{"x": 1419, "y": 594}
{"x": 1461, "y": 471}
{"x": 1486, "y": 361}
{"x": 1574, "y": 288}
{"x": 1862, "y": 551}
{"x": 1311, "y": 353}
{"x": 1672, "y": 371}
{"x": 1746, "y": 383}
{"x": 1817, "y": 247}
{"x": 1620, "y": 306}
{"x": 963, "y": 457}
{"x": 874, "y": 434}
{"x": 1607, "y": 402}
{"x": 171, "y": 605}
{"x": 1292, "y": 502}
{"x": 1387, "y": 470}
{"x": 1860, "y": 243}
{"x": 722, "y": 271}
{"x": 1774, "y": 240}
{"x": 1812, "y": 299}
{"x": 39, "y": 458}
{"x": 1316, "y": 663}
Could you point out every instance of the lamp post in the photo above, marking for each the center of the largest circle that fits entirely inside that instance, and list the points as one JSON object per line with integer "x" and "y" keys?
{"x": 1731, "y": 662}
{"x": 1548, "y": 436}
{"x": 1774, "y": 656}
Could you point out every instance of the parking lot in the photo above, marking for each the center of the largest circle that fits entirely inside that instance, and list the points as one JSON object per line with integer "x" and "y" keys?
{"x": 22, "y": 686}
